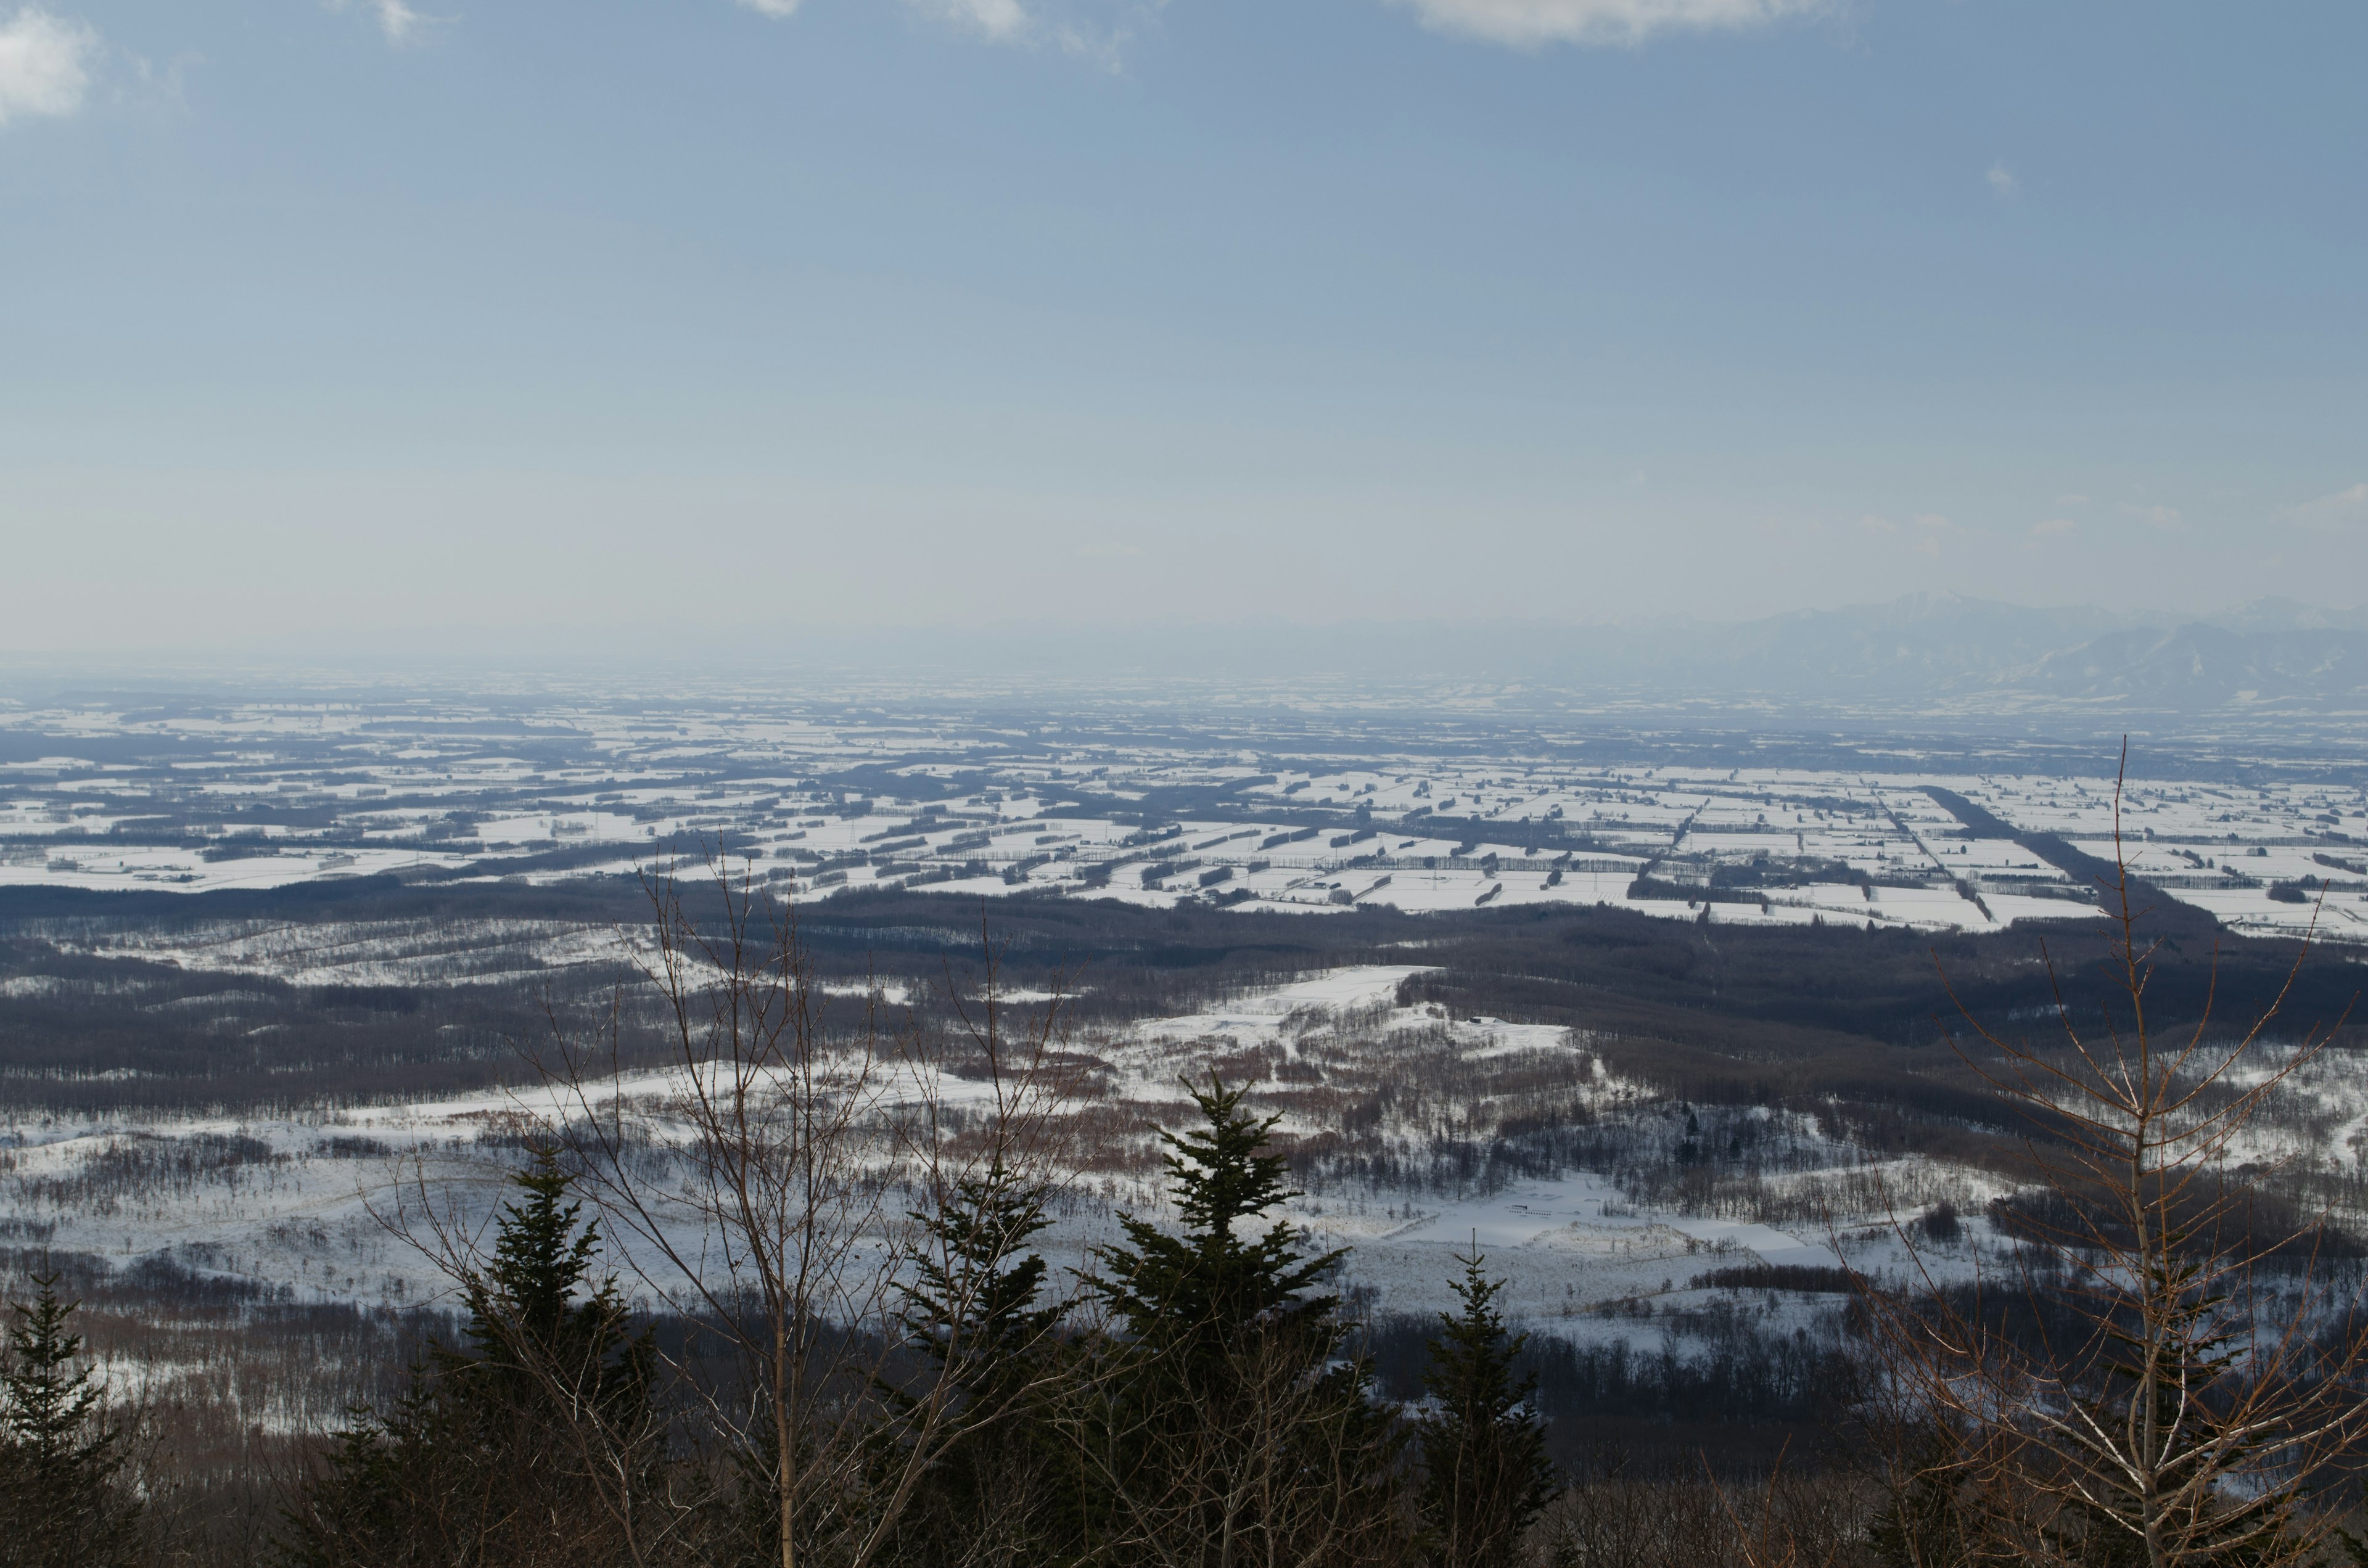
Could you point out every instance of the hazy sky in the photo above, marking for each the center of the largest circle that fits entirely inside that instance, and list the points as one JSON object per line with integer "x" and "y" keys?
{"x": 460, "y": 323}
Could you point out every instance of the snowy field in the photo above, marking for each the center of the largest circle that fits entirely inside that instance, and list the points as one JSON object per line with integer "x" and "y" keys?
{"x": 219, "y": 809}
{"x": 257, "y": 796}
{"x": 304, "y": 1201}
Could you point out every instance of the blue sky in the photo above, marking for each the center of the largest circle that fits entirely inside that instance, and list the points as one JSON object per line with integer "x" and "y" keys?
{"x": 454, "y": 322}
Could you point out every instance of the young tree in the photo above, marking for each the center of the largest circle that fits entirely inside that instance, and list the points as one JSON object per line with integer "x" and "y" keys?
{"x": 977, "y": 1315}
{"x": 62, "y": 1493}
{"x": 977, "y": 1288}
{"x": 531, "y": 1447}
{"x": 1223, "y": 1427}
{"x": 1190, "y": 1297}
{"x": 2157, "y": 1391}
{"x": 1485, "y": 1474}
{"x": 756, "y": 1175}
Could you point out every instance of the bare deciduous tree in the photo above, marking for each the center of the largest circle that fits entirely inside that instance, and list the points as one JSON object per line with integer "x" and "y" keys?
{"x": 773, "y": 1184}
{"x": 1259, "y": 1462}
{"x": 2172, "y": 1370}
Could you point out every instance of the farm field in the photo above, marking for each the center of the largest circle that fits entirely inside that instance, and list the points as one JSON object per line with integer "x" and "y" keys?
{"x": 250, "y": 796}
{"x": 1647, "y": 1016}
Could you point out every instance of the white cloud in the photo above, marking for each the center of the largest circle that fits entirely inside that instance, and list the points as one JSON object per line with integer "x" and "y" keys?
{"x": 2052, "y": 525}
{"x": 2002, "y": 180}
{"x": 399, "y": 21}
{"x": 44, "y": 64}
{"x": 999, "y": 19}
{"x": 396, "y": 19}
{"x": 1098, "y": 30}
{"x": 2160, "y": 517}
{"x": 1528, "y": 23}
{"x": 2344, "y": 509}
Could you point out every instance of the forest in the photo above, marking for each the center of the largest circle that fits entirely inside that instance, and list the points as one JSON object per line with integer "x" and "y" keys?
{"x": 764, "y": 1278}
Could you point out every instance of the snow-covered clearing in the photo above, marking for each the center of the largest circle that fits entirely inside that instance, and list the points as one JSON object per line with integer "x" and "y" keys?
{"x": 301, "y": 1201}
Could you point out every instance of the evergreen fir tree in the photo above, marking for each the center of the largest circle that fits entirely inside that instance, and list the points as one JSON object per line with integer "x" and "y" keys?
{"x": 481, "y": 1461}
{"x": 62, "y": 1494}
{"x": 975, "y": 1309}
{"x": 1228, "y": 1417}
{"x": 974, "y": 1303}
{"x": 525, "y": 1317}
{"x": 1485, "y": 1474}
{"x": 1190, "y": 1297}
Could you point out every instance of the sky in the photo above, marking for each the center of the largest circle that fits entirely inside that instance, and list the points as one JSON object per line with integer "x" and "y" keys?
{"x": 449, "y": 324}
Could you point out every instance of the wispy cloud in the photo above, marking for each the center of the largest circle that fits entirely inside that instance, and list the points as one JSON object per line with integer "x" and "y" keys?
{"x": 1101, "y": 28}
{"x": 45, "y": 64}
{"x": 1531, "y": 24}
{"x": 1004, "y": 20}
{"x": 2002, "y": 180}
{"x": 1100, "y": 31}
{"x": 1924, "y": 531}
{"x": 395, "y": 19}
{"x": 1931, "y": 528}
{"x": 2328, "y": 513}
{"x": 398, "y": 20}
{"x": 2164, "y": 517}
{"x": 2051, "y": 527}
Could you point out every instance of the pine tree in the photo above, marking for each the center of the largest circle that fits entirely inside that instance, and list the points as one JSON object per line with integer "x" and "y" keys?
{"x": 975, "y": 1309}
{"x": 533, "y": 1335}
{"x": 974, "y": 1303}
{"x": 1485, "y": 1474}
{"x": 517, "y": 1454}
{"x": 1229, "y": 1426}
{"x": 1190, "y": 1296}
{"x": 62, "y": 1494}
{"x": 2167, "y": 1383}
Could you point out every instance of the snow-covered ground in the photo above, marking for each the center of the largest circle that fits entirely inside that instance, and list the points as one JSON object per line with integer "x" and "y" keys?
{"x": 254, "y": 795}
{"x": 303, "y": 1199}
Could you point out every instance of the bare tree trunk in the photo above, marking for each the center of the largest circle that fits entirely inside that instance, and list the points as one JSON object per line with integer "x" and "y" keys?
{"x": 752, "y": 1179}
{"x": 2193, "y": 1406}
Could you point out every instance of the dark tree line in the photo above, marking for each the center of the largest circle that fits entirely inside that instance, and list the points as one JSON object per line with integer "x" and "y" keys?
{"x": 1200, "y": 1398}
{"x": 1198, "y": 1401}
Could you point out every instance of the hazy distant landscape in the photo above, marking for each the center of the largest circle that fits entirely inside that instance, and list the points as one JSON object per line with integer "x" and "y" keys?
{"x": 1944, "y": 658}
{"x": 1183, "y": 784}
{"x": 1648, "y": 1010}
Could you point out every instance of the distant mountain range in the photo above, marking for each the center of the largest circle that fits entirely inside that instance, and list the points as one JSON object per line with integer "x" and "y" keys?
{"x": 1928, "y": 653}
{"x": 2200, "y": 667}
{"x": 1941, "y": 648}
{"x": 1937, "y": 656}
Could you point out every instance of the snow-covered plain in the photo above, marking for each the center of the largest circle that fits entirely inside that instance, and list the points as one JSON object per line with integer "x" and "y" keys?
{"x": 260, "y": 796}
{"x": 305, "y": 1200}
{"x": 228, "y": 801}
